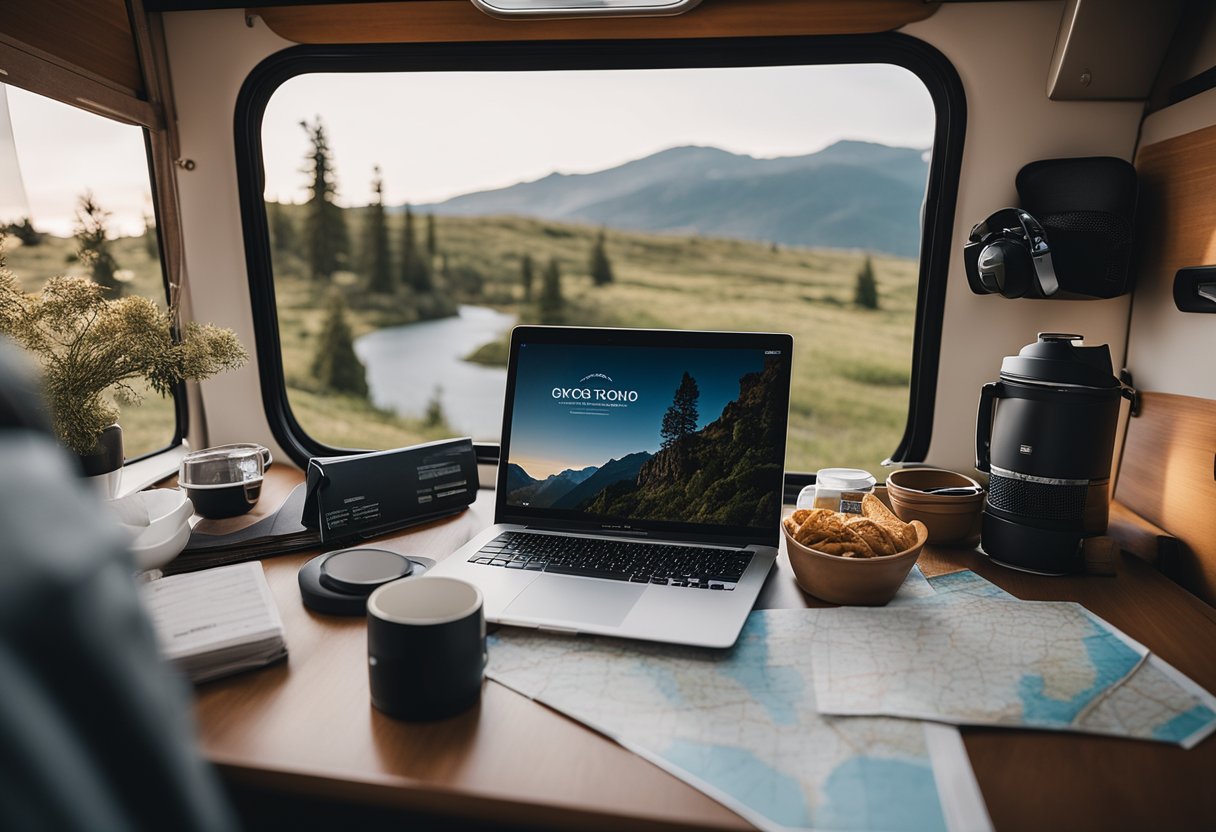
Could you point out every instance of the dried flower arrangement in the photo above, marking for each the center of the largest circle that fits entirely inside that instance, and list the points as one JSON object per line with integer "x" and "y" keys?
{"x": 88, "y": 345}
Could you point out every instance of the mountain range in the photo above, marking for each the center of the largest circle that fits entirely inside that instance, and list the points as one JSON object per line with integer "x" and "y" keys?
{"x": 849, "y": 195}
{"x": 568, "y": 489}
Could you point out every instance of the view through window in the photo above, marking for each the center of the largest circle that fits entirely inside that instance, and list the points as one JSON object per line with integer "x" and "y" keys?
{"x": 416, "y": 217}
{"x": 75, "y": 199}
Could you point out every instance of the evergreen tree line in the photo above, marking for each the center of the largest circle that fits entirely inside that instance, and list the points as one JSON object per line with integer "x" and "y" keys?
{"x": 92, "y": 235}
{"x": 550, "y": 303}
{"x": 327, "y": 245}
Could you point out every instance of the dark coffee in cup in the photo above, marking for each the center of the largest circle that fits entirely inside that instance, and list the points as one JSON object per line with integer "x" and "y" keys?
{"x": 426, "y": 647}
{"x": 219, "y": 501}
{"x": 224, "y": 481}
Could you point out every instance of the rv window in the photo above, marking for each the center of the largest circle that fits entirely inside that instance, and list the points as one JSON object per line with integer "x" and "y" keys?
{"x": 75, "y": 199}
{"x": 413, "y": 217}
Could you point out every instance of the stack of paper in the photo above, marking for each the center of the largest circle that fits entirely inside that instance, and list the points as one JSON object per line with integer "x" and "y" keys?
{"x": 261, "y": 533}
{"x": 216, "y": 622}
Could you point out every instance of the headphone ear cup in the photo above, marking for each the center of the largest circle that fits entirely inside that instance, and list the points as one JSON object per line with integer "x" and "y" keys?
{"x": 1005, "y": 267}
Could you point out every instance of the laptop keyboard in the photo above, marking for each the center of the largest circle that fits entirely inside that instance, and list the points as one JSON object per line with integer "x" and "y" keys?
{"x": 617, "y": 560}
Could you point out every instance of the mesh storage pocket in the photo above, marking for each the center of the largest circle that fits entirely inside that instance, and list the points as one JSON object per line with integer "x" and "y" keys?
{"x": 1098, "y": 241}
{"x": 1036, "y": 499}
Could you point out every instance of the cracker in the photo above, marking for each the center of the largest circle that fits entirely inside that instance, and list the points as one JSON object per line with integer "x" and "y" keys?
{"x": 876, "y": 533}
{"x": 880, "y": 540}
{"x": 902, "y": 533}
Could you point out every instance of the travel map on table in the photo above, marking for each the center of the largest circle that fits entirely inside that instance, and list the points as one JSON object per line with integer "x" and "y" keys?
{"x": 742, "y": 725}
{"x": 1155, "y": 702}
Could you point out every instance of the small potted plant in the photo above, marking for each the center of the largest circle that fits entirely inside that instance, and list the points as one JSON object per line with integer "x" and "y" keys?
{"x": 89, "y": 345}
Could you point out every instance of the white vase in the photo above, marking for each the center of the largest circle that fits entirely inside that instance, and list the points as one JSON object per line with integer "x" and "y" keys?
{"x": 103, "y": 465}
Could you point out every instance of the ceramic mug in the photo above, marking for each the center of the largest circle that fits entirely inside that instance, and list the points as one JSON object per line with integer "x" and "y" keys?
{"x": 426, "y": 647}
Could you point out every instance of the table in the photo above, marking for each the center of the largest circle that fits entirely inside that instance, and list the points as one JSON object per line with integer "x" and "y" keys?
{"x": 307, "y": 726}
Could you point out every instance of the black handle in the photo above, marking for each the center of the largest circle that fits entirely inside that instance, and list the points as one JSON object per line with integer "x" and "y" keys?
{"x": 989, "y": 393}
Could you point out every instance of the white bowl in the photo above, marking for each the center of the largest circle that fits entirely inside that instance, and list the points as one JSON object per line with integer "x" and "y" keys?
{"x": 167, "y": 505}
{"x": 158, "y": 545}
{"x": 167, "y": 528}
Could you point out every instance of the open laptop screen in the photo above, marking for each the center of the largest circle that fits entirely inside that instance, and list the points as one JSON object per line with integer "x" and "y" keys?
{"x": 646, "y": 431}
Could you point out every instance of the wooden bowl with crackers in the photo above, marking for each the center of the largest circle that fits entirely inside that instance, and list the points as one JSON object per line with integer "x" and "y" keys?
{"x": 859, "y": 560}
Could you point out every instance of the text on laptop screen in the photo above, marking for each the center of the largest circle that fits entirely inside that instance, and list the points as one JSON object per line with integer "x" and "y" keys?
{"x": 684, "y": 435}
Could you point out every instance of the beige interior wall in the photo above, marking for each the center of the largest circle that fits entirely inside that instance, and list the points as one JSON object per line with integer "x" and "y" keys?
{"x": 210, "y": 55}
{"x": 1001, "y": 50}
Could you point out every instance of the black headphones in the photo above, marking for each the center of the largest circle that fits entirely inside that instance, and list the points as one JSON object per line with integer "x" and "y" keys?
{"x": 1008, "y": 254}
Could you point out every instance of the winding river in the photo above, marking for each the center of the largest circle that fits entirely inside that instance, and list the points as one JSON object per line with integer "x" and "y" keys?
{"x": 405, "y": 364}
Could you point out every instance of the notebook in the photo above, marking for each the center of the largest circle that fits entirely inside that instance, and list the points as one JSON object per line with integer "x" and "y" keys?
{"x": 216, "y": 622}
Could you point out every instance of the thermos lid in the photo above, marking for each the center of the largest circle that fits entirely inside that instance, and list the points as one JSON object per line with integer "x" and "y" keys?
{"x": 1056, "y": 359}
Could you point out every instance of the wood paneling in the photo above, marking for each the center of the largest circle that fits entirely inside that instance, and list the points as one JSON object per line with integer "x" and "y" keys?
{"x": 92, "y": 35}
{"x": 1176, "y": 215}
{"x": 424, "y": 21}
{"x": 306, "y": 726}
{"x": 21, "y": 69}
{"x": 1168, "y": 477}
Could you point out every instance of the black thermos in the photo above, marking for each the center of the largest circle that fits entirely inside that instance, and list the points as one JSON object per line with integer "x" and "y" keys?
{"x": 1048, "y": 446}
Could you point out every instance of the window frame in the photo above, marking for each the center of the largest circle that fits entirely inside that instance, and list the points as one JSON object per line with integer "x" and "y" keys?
{"x": 181, "y": 413}
{"x": 934, "y": 70}
{"x": 181, "y": 410}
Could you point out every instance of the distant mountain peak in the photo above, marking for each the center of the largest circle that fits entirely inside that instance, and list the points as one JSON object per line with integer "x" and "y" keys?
{"x": 852, "y": 194}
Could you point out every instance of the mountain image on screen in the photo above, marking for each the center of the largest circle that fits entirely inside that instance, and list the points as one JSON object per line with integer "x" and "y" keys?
{"x": 727, "y": 473}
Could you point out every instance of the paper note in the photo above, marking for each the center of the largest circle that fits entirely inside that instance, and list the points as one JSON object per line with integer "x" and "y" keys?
{"x": 217, "y": 621}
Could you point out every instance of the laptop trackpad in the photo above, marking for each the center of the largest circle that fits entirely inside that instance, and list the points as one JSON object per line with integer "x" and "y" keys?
{"x": 574, "y": 600}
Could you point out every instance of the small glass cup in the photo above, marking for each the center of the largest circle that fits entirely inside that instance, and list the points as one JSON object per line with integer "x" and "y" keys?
{"x": 225, "y": 481}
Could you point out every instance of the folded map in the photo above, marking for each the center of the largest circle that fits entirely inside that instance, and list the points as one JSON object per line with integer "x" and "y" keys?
{"x": 972, "y": 655}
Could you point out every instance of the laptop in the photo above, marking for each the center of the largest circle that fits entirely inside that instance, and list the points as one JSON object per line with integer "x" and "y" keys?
{"x": 639, "y": 483}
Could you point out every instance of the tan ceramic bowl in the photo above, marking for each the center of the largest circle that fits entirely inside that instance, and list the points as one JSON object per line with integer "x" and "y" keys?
{"x": 909, "y": 485}
{"x": 863, "y": 582}
{"x": 951, "y": 520}
{"x": 948, "y": 525}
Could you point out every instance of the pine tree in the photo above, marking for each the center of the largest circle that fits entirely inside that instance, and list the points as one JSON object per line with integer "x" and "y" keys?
{"x": 379, "y": 258}
{"x": 324, "y": 224}
{"x": 526, "y": 277}
{"x": 601, "y": 267}
{"x": 415, "y": 272}
{"x": 432, "y": 243}
{"x": 283, "y": 236}
{"x": 335, "y": 365}
{"x": 434, "y": 416}
{"x": 24, "y": 231}
{"x": 550, "y": 303}
{"x": 92, "y": 226}
{"x": 681, "y": 418}
{"x": 866, "y": 295}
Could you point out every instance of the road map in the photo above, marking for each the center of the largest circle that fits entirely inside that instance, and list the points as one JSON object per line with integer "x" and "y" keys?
{"x": 742, "y": 725}
{"x": 1156, "y": 702}
{"x": 745, "y": 725}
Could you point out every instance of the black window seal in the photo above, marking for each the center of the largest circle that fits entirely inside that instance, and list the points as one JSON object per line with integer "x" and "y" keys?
{"x": 922, "y": 59}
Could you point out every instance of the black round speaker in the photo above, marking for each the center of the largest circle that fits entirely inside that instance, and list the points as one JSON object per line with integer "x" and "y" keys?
{"x": 338, "y": 583}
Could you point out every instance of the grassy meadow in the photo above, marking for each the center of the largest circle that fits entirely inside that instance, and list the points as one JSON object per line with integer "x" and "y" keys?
{"x": 851, "y": 365}
{"x": 849, "y": 396}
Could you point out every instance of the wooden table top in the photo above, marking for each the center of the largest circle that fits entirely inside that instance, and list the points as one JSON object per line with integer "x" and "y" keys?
{"x": 307, "y": 725}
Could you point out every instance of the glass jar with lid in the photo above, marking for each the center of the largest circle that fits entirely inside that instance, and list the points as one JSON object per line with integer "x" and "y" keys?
{"x": 838, "y": 489}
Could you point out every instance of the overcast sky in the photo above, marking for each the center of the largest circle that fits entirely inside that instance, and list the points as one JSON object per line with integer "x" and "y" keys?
{"x": 436, "y": 135}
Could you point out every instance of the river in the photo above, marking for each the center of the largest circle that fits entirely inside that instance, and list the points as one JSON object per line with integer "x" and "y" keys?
{"x": 405, "y": 364}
